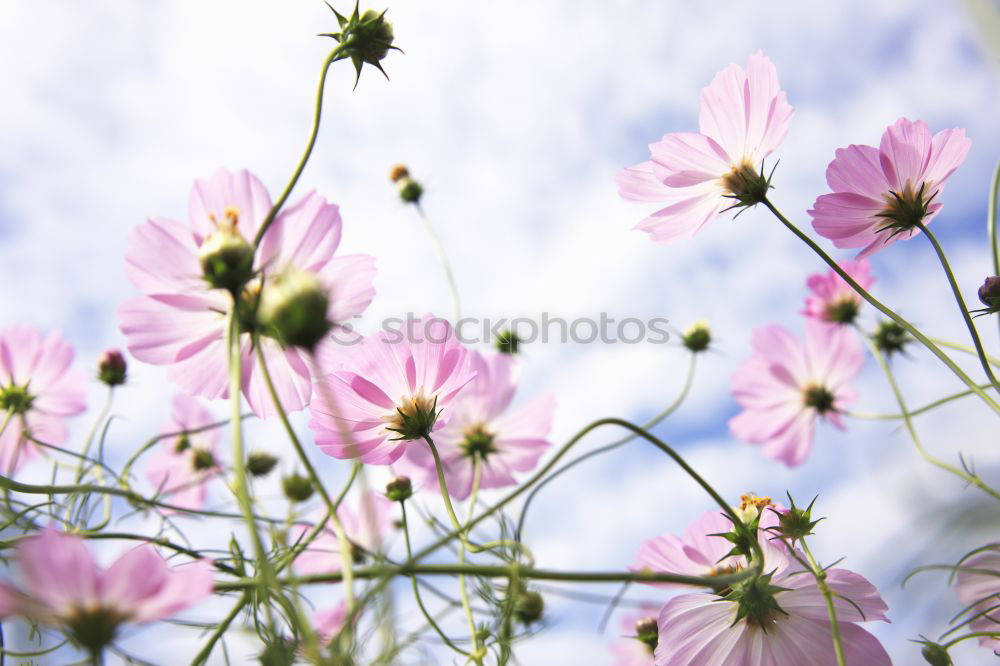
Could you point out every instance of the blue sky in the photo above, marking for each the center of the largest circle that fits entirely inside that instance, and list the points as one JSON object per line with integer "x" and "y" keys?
{"x": 516, "y": 117}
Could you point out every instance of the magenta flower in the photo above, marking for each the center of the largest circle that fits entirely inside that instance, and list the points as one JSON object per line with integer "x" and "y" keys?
{"x": 329, "y": 622}
{"x": 638, "y": 639}
{"x": 38, "y": 390}
{"x": 366, "y": 528}
{"x": 64, "y": 587}
{"x": 480, "y": 426}
{"x": 885, "y": 193}
{"x": 744, "y": 117}
{"x": 833, "y": 300}
{"x": 785, "y": 386}
{"x": 182, "y": 466}
{"x": 774, "y": 620}
{"x": 978, "y": 584}
{"x": 180, "y": 320}
{"x": 391, "y": 388}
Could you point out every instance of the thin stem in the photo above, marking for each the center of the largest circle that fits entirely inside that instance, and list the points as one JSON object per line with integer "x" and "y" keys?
{"x": 911, "y": 429}
{"x": 820, "y": 575}
{"x": 223, "y": 625}
{"x": 463, "y": 593}
{"x": 910, "y": 328}
{"x": 994, "y": 361}
{"x": 93, "y": 433}
{"x": 914, "y": 412}
{"x": 991, "y": 223}
{"x": 443, "y": 257}
{"x": 317, "y": 116}
{"x": 443, "y": 485}
{"x": 971, "y": 325}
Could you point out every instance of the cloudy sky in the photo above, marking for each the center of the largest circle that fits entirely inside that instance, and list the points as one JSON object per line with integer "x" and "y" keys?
{"x": 516, "y": 116}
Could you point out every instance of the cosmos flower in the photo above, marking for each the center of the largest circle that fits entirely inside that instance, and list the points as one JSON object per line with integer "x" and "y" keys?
{"x": 181, "y": 269}
{"x": 482, "y": 425}
{"x": 63, "y": 586}
{"x": 883, "y": 194}
{"x": 38, "y": 390}
{"x": 367, "y": 528}
{"x": 785, "y": 386}
{"x": 978, "y": 585}
{"x": 329, "y": 622}
{"x": 744, "y": 117}
{"x": 776, "y": 619}
{"x": 833, "y": 300}
{"x": 635, "y": 645}
{"x": 392, "y": 387}
{"x": 182, "y": 466}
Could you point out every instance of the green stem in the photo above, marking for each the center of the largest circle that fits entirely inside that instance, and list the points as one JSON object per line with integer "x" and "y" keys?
{"x": 911, "y": 429}
{"x": 206, "y": 650}
{"x": 443, "y": 257}
{"x": 93, "y": 433}
{"x": 915, "y": 412}
{"x": 443, "y": 485}
{"x": 994, "y": 361}
{"x": 963, "y": 308}
{"x": 317, "y": 116}
{"x": 463, "y": 593}
{"x": 910, "y": 328}
{"x": 991, "y": 223}
{"x": 820, "y": 575}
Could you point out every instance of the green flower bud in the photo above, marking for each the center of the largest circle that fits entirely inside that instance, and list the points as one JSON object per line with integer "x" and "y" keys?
{"x": 226, "y": 257}
{"x": 293, "y": 309}
{"x": 364, "y": 38}
{"x": 111, "y": 368}
{"x": 796, "y": 523}
{"x": 260, "y": 464}
{"x": 647, "y": 632}
{"x": 507, "y": 342}
{"x": 297, "y": 488}
{"x": 697, "y": 337}
{"x": 399, "y": 489}
{"x": 529, "y": 606}
{"x": 410, "y": 190}
{"x": 936, "y": 655}
{"x": 891, "y": 338}
{"x": 203, "y": 460}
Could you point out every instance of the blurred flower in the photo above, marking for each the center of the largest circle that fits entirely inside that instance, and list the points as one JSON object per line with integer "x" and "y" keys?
{"x": 832, "y": 299}
{"x": 882, "y": 194}
{"x": 63, "y": 586}
{"x": 391, "y": 388}
{"x": 774, "y": 619}
{"x": 630, "y": 649}
{"x": 182, "y": 466}
{"x": 38, "y": 390}
{"x": 891, "y": 338}
{"x": 366, "y": 527}
{"x": 180, "y": 320}
{"x": 978, "y": 586}
{"x": 329, "y": 622}
{"x": 785, "y": 386}
{"x": 481, "y": 426}
{"x": 111, "y": 368}
{"x": 744, "y": 117}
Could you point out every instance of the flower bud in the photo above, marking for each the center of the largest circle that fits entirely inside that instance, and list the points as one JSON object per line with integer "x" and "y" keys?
{"x": 989, "y": 294}
{"x": 647, "y": 632}
{"x": 202, "y": 460}
{"x": 399, "y": 489}
{"x": 293, "y": 309}
{"x": 891, "y": 338}
{"x": 529, "y": 607}
{"x": 697, "y": 337}
{"x": 795, "y": 523}
{"x": 260, "y": 464}
{"x": 226, "y": 257}
{"x": 297, "y": 488}
{"x": 936, "y": 655}
{"x": 364, "y": 38}
{"x": 410, "y": 190}
{"x": 507, "y": 342}
{"x": 111, "y": 368}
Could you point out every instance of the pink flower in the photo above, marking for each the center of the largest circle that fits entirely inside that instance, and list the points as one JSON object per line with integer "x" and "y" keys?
{"x": 180, "y": 320}
{"x": 480, "y": 425}
{"x": 832, "y": 299}
{"x": 785, "y": 386}
{"x": 744, "y": 117}
{"x": 38, "y": 390}
{"x": 366, "y": 528}
{"x": 774, "y": 620}
{"x": 978, "y": 583}
{"x": 63, "y": 586}
{"x": 182, "y": 466}
{"x": 880, "y": 194}
{"x": 329, "y": 622}
{"x": 631, "y": 648}
{"x": 391, "y": 388}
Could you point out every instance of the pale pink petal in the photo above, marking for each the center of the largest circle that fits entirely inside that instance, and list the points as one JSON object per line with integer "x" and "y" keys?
{"x": 138, "y": 575}
{"x": 905, "y": 152}
{"x": 949, "y": 149}
{"x": 350, "y": 282}
{"x": 162, "y": 257}
{"x": 186, "y": 585}
{"x": 59, "y": 571}
{"x": 211, "y": 197}
{"x": 639, "y": 183}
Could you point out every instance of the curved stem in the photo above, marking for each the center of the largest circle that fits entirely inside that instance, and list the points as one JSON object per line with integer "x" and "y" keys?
{"x": 971, "y": 325}
{"x": 910, "y": 328}
{"x": 914, "y": 412}
{"x": 445, "y": 495}
{"x": 994, "y": 361}
{"x": 223, "y": 625}
{"x": 463, "y": 593}
{"x": 820, "y": 575}
{"x": 443, "y": 257}
{"x": 317, "y": 116}
{"x": 87, "y": 443}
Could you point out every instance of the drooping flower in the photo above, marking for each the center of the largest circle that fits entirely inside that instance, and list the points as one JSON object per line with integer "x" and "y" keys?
{"x": 635, "y": 645}
{"x": 785, "y": 386}
{"x": 774, "y": 619}
{"x": 744, "y": 117}
{"x": 63, "y": 586}
{"x": 38, "y": 391}
{"x": 978, "y": 585}
{"x": 833, "y": 300}
{"x": 182, "y": 466}
{"x": 391, "y": 388}
{"x": 184, "y": 271}
{"x": 367, "y": 527}
{"x": 883, "y": 194}
{"x": 483, "y": 427}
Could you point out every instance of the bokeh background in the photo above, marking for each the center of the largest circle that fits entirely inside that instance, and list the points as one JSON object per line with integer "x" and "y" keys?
{"x": 516, "y": 116}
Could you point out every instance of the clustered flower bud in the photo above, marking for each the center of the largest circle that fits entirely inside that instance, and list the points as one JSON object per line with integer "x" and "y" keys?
{"x": 399, "y": 489}
{"x": 111, "y": 368}
{"x": 293, "y": 309}
{"x": 297, "y": 488}
{"x": 260, "y": 464}
{"x": 697, "y": 337}
{"x": 410, "y": 190}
